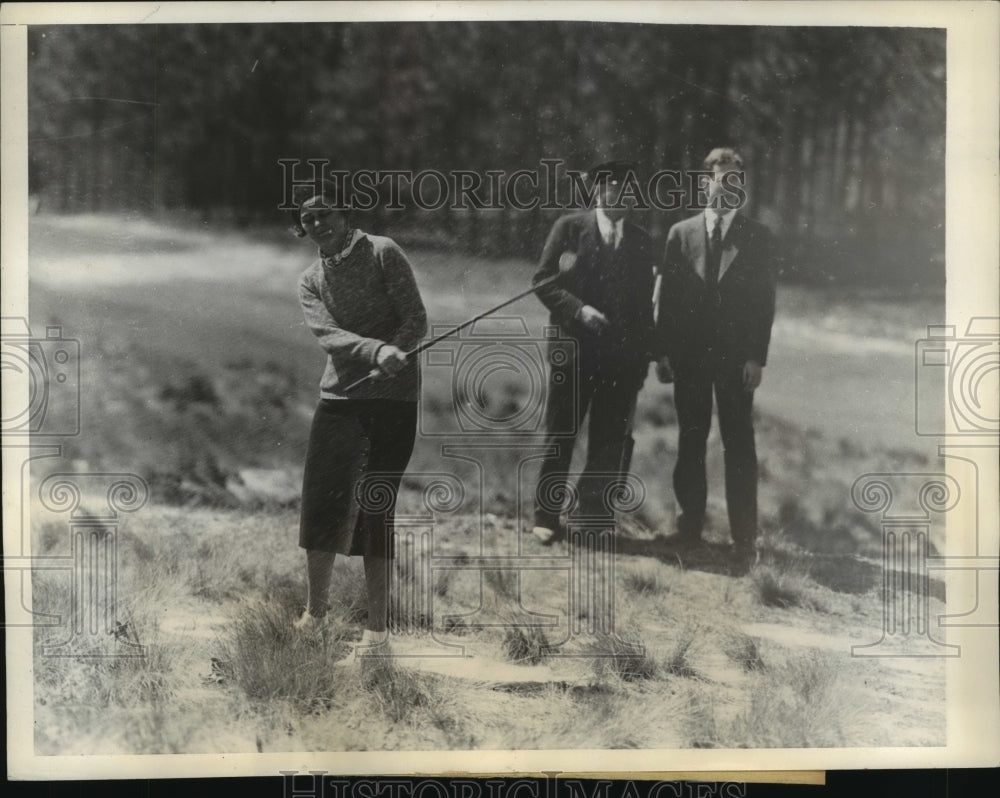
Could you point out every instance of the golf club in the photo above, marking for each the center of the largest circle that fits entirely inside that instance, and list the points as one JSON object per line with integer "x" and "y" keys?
{"x": 567, "y": 261}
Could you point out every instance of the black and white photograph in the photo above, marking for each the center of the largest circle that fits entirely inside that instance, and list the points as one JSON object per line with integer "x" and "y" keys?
{"x": 396, "y": 388}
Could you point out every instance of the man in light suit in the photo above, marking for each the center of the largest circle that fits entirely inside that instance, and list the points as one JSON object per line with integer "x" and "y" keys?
{"x": 715, "y": 309}
{"x": 604, "y": 304}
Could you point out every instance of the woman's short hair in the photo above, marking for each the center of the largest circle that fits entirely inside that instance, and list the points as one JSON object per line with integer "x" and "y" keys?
{"x": 303, "y": 192}
{"x": 723, "y": 156}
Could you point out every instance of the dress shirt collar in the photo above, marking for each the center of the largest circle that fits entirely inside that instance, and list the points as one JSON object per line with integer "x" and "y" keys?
{"x": 605, "y": 225}
{"x": 711, "y": 214}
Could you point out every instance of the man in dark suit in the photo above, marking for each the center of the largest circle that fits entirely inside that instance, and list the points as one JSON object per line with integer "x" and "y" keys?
{"x": 603, "y": 303}
{"x": 715, "y": 306}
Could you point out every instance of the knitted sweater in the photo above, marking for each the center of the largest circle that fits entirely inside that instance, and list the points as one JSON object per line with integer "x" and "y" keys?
{"x": 356, "y": 302}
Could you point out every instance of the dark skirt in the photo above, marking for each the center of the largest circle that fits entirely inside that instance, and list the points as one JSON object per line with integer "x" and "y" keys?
{"x": 358, "y": 451}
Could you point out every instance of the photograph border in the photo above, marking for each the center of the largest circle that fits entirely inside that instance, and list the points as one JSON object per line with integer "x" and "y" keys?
{"x": 972, "y": 256}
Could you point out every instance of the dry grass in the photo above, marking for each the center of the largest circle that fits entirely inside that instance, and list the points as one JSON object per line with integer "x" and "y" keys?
{"x": 597, "y": 716}
{"x": 397, "y": 692}
{"x": 268, "y": 659}
{"x": 410, "y": 589}
{"x": 644, "y": 582}
{"x": 803, "y": 703}
{"x": 504, "y": 584}
{"x": 348, "y": 594}
{"x": 784, "y": 585}
{"x": 133, "y": 666}
{"x": 523, "y": 642}
{"x": 678, "y": 661}
{"x": 285, "y": 691}
{"x": 621, "y": 656}
{"x": 742, "y": 649}
{"x": 698, "y": 720}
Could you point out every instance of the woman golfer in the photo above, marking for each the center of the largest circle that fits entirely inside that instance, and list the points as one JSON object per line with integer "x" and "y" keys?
{"x": 361, "y": 301}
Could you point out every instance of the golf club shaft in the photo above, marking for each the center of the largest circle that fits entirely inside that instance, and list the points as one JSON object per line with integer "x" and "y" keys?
{"x": 457, "y": 328}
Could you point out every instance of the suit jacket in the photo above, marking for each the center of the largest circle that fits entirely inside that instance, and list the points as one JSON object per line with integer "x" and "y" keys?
{"x": 689, "y": 328}
{"x": 619, "y": 283}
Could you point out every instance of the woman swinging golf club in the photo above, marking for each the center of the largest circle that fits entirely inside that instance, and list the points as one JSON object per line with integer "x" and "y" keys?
{"x": 361, "y": 301}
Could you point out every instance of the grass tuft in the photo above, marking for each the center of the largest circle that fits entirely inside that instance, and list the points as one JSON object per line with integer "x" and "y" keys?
{"x": 625, "y": 658}
{"x": 697, "y": 717}
{"x": 139, "y": 680}
{"x": 401, "y": 694}
{"x": 783, "y": 586}
{"x": 133, "y": 666}
{"x": 268, "y": 659}
{"x": 677, "y": 662}
{"x": 743, "y": 649}
{"x": 644, "y": 583}
{"x": 524, "y": 643}
{"x": 803, "y": 703}
{"x": 456, "y": 625}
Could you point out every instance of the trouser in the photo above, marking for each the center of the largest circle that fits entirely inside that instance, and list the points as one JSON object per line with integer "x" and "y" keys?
{"x": 628, "y": 446}
{"x": 609, "y": 397}
{"x": 693, "y": 388}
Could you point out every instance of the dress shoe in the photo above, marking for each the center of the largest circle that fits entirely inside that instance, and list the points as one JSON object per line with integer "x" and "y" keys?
{"x": 744, "y": 558}
{"x": 547, "y": 535}
{"x": 689, "y": 528}
{"x": 544, "y": 534}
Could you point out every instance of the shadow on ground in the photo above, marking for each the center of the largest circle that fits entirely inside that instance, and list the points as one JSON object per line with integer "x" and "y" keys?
{"x": 842, "y": 573}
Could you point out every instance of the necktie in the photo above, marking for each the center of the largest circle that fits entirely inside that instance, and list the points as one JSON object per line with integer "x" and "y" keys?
{"x": 714, "y": 255}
